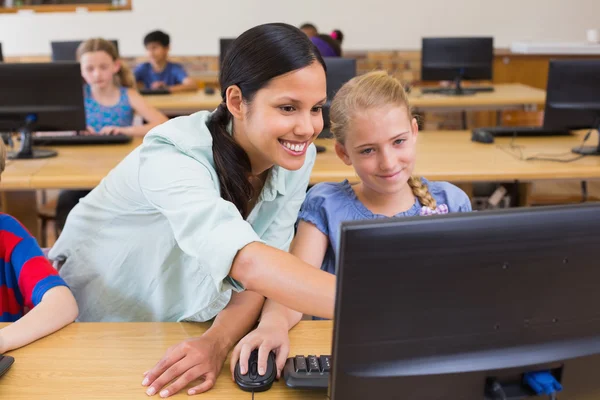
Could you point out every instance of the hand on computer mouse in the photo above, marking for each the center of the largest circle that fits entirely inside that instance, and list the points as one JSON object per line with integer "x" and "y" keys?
{"x": 267, "y": 337}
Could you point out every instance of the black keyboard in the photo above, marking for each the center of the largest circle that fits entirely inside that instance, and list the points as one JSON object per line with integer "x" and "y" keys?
{"x": 148, "y": 92}
{"x": 75, "y": 140}
{"x": 5, "y": 363}
{"x": 519, "y": 131}
{"x": 452, "y": 91}
{"x": 310, "y": 372}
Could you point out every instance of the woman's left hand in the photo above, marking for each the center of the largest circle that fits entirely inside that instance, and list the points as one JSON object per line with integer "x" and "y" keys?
{"x": 195, "y": 358}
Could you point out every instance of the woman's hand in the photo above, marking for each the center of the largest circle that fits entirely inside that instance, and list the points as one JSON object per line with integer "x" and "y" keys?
{"x": 194, "y": 358}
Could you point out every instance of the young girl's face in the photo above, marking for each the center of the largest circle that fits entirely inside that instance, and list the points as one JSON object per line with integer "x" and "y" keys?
{"x": 285, "y": 117}
{"x": 381, "y": 146}
{"x": 98, "y": 68}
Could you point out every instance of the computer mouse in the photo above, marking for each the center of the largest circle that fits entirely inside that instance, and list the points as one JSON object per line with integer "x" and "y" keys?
{"x": 482, "y": 136}
{"x": 252, "y": 381}
{"x": 209, "y": 90}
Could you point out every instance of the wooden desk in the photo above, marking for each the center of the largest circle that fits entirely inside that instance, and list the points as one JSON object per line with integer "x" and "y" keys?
{"x": 505, "y": 96}
{"x": 106, "y": 361}
{"x": 185, "y": 103}
{"x": 442, "y": 155}
{"x": 452, "y": 156}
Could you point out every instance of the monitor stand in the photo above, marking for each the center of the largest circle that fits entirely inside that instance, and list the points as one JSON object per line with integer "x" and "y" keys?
{"x": 457, "y": 89}
{"x": 590, "y": 150}
{"x": 26, "y": 151}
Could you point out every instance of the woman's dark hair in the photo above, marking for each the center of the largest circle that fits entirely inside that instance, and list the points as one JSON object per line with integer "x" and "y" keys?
{"x": 252, "y": 60}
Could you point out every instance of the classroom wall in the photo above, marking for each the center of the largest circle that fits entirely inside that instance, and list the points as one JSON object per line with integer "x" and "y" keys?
{"x": 195, "y": 25}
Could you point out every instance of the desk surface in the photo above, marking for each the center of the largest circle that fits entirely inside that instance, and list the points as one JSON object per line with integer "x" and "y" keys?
{"x": 106, "y": 361}
{"x": 442, "y": 155}
{"x": 504, "y": 95}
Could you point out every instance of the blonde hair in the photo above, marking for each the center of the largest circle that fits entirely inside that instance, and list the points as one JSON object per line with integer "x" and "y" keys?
{"x": 122, "y": 78}
{"x": 373, "y": 90}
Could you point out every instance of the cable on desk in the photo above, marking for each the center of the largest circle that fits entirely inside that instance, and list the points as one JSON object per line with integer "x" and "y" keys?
{"x": 542, "y": 156}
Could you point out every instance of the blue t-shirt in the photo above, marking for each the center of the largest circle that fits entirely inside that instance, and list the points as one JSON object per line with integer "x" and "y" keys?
{"x": 327, "y": 205}
{"x": 173, "y": 74}
{"x": 98, "y": 116}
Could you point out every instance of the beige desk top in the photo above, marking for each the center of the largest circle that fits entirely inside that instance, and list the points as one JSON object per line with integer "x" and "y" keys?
{"x": 509, "y": 95}
{"x": 185, "y": 103}
{"x": 442, "y": 155}
{"x": 106, "y": 361}
{"x": 504, "y": 96}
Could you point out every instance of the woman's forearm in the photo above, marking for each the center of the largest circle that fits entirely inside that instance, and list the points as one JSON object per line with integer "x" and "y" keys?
{"x": 286, "y": 279}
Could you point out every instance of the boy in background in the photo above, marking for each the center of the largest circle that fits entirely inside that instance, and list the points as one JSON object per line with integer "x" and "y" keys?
{"x": 159, "y": 72}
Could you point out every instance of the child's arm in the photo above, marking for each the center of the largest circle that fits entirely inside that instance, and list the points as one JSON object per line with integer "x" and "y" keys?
{"x": 188, "y": 84}
{"x": 56, "y": 310}
{"x": 310, "y": 245}
{"x": 148, "y": 112}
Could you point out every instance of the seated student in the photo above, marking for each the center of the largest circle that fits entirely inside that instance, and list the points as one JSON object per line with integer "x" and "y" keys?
{"x": 376, "y": 134}
{"x": 328, "y": 46}
{"x": 160, "y": 73}
{"x": 28, "y": 282}
{"x": 110, "y": 105}
{"x": 309, "y": 29}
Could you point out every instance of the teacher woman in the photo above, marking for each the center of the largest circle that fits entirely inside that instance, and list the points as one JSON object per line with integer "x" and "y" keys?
{"x": 197, "y": 221}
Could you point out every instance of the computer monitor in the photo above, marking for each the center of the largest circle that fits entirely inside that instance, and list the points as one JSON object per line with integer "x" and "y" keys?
{"x": 40, "y": 97}
{"x": 573, "y": 98}
{"x": 224, "y": 44}
{"x": 339, "y": 71}
{"x": 1, "y": 55}
{"x": 437, "y": 307}
{"x": 67, "y": 51}
{"x": 457, "y": 59}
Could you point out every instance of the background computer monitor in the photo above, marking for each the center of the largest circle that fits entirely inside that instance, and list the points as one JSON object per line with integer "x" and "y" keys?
{"x": 339, "y": 71}
{"x": 40, "y": 97}
{"x": 431, "y": 307}
{"x": 1, "y": 55}
{"x": 456, "y": 59}
{"x": 573, "y": 98}
{"x": 67, "y": 51}
{"x": 224, "y": 44}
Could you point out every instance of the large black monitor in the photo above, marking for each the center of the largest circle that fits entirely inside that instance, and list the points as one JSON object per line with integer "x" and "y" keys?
{"x": 439, "y": 307}
{"x": 40, "y": 97}
{"x": 457, "y": 59}
{"x": 67, "y": 51}
{"x": 224, "y": 44}
{"x": 573, "y": 98}
{"x": 339, "y": 71}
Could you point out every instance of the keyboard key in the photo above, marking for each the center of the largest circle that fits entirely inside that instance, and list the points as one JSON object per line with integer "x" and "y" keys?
{"x": 325, "y": 362}
{"x": 313, "y": 364}
{"x": 300, "y": 364}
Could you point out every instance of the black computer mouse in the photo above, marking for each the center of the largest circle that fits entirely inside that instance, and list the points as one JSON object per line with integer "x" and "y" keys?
{"x": 252, "y": 381}
{"x": 209, "y": 90}
{"x": 482, "y": 136}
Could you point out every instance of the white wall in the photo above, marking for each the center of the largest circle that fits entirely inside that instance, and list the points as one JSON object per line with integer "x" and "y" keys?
{"x": 195, "y": 25}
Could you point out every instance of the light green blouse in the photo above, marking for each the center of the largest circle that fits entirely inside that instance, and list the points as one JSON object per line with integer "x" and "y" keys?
{"x": 155, "y": 241}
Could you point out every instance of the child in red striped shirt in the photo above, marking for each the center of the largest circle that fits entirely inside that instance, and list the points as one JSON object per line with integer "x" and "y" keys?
{"x": 32, "y": 295}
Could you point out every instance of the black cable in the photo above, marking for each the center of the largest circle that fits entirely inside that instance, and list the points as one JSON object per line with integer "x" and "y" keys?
{"x": 543, "y": 156}
{"x": 253, "y": 395}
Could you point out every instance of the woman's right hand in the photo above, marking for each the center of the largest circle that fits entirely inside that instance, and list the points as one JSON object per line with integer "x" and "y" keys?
{"x": 266, "y": 337}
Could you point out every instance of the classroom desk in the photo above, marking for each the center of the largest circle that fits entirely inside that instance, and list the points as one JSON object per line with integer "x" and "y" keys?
{"x": 185, "y": 103}
{"x": 106, "y": 361}
{"x": 452, "y": 156}
{"x": 442, "y": 155}
{"x": 504, "y": 97}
